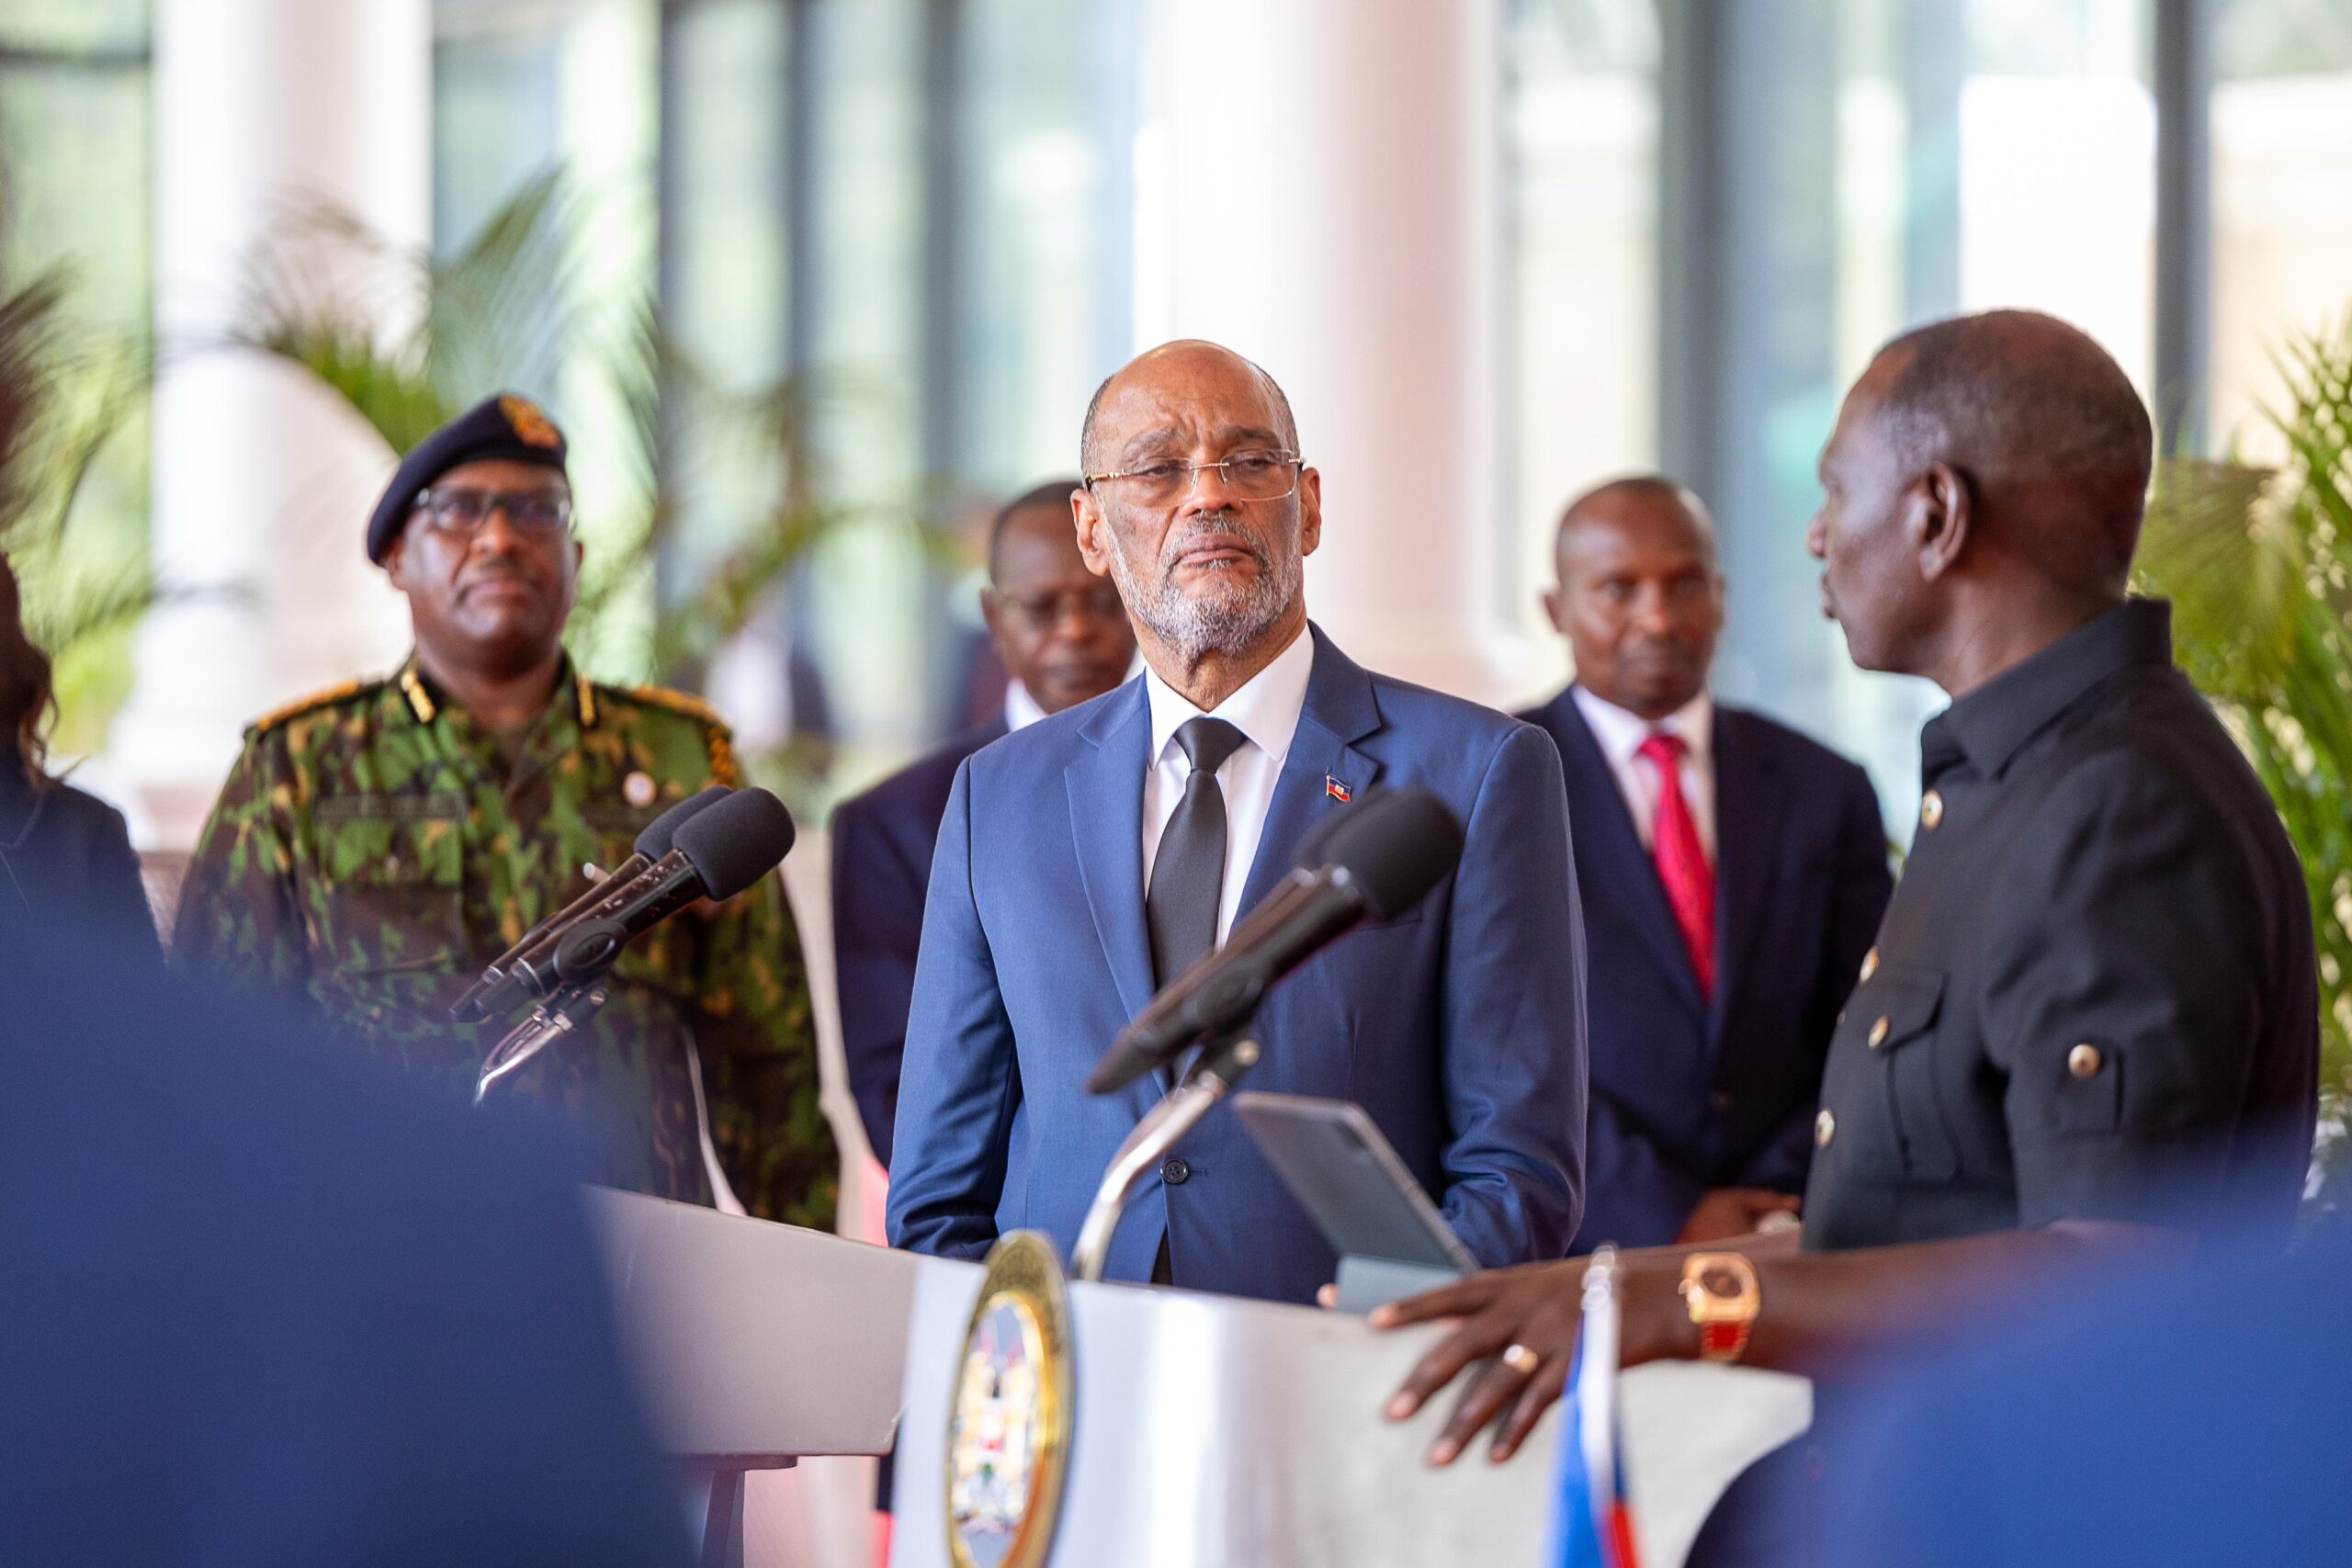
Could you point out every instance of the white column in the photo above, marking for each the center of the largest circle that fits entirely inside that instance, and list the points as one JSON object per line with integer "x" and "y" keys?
{"x": 262, "y": 480}
{"x": 1318, "y": 187}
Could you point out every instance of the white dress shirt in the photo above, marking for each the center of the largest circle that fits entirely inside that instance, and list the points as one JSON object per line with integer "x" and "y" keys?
{"x": 1021, "y": 709}
{"x": 1266, "y": 711}
{"x": 1621, "y": 735}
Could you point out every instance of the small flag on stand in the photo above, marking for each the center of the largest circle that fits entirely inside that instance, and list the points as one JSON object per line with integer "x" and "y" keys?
{"x": 1594, "y": 1525}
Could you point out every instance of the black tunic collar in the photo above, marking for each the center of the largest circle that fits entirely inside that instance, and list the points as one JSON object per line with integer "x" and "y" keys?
{"x": 1989, "y": 727}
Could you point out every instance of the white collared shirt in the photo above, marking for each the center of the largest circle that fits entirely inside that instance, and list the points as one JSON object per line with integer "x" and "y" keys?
{"x": 1021, "y": 709}
{"x": 1621, "y": 735}
{"x": 1266, "y": 710}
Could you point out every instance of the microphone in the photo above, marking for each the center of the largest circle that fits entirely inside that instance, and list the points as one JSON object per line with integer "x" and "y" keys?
{"x": 651, "y": 846}
{"x": 716, "y": 854}
{"x": 1379, "y": 858}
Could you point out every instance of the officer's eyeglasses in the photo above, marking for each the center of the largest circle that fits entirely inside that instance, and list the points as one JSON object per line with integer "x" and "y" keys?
{"x": 1042, "y": 613}
{"x": 1250, "y": 476}
{"x": 459, "y": 511}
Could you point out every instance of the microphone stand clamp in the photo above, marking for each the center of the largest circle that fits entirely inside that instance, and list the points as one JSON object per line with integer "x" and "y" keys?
{"x": 565, "y": 1009}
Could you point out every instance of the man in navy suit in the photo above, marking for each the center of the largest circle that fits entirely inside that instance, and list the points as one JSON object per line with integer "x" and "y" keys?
{"x": 1094, "y": 856}
{"x": 1064, "y": 637}
{"x": 1734, "y": 873}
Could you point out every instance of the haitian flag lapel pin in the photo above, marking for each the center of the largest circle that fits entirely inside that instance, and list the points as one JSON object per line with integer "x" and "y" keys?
{"x": 1336, "y": 790}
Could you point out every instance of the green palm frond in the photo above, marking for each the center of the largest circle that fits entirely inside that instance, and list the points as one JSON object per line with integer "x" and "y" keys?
{"x": 409, "y": 340}
{"x": 2257, "y": 562}
{"x": 501, "y": 313}
{"x": 64, "y": 389}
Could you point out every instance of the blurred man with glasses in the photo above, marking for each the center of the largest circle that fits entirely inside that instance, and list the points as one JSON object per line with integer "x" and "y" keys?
{"x": 378, "y": 843}
{"x": 1063, "y": 636}
{"x": 1096, "y": 855}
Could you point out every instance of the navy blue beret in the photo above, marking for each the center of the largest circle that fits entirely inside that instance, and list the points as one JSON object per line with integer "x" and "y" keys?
{"x": 506, "y": 426}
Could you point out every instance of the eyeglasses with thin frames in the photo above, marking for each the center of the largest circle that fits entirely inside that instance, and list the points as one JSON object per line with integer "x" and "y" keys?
{"x": 461, "y": 511}
{"x": 1252, "y": 475}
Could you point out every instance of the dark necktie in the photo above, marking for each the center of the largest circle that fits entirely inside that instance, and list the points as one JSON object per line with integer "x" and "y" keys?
{"x": 1188, "y": 872}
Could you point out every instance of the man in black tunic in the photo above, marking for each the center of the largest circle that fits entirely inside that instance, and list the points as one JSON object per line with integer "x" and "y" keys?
{"x": 2091, "y": 1022}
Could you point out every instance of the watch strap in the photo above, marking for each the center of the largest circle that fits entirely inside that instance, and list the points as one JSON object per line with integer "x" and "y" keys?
{"x": 1724, "y": 1341}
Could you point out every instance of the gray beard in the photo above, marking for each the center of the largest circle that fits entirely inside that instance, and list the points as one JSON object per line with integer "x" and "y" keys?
{"x": 1225, "y": 621}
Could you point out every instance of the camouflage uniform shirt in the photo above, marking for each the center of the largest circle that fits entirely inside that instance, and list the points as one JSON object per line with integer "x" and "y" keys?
{"x": 374, "y": 848}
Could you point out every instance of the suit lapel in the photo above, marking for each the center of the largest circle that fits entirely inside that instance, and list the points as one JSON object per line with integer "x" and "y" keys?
{"x": 1105, "y": 788}
{"x": 1611, "y": 864}
{"x": 1748, "y": 800}
{"x": 1339, "y": 708}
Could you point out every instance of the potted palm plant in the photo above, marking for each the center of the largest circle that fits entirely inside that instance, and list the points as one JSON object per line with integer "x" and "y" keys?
{"x": 2256, "y": 560}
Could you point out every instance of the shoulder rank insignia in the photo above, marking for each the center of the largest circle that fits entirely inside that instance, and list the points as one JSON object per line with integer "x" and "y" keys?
{"x": 676, "y": 702}
{"x": 724, "y": 769}
{"x": 301, "y": 705}
{"x": 420, "y": 700}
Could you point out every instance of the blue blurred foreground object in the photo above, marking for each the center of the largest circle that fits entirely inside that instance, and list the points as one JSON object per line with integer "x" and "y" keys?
{"x": 265, "y": 1305}
{"x": 2164, "y": 1422}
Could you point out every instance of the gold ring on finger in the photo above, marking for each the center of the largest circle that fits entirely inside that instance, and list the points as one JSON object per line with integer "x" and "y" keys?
{"x": 1521, "y": 1360}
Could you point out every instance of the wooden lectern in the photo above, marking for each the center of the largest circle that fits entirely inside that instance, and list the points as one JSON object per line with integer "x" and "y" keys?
{"x": 1201, "y": 1430}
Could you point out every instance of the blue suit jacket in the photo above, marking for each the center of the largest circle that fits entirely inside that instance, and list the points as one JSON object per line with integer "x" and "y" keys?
{"x": 377, "y": 1319}
{"x": 1459, "y": 1026}
{"x": 883, "y": 841}
{"x": 1688, "y": 1095}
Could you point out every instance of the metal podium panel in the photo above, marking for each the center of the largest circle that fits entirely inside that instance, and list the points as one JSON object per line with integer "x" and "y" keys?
{"x": 753, "y": 1341}
{"x": 1211, "y": 1431}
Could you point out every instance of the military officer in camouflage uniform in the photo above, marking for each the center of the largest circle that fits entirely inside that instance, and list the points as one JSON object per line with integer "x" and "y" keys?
{"x": 378, "y": 844}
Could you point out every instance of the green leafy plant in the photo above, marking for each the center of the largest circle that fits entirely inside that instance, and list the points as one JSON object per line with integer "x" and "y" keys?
{"x": 65, "y": 389}
{"x": 409, "y": 340}
{"x": 2257, "y": 562}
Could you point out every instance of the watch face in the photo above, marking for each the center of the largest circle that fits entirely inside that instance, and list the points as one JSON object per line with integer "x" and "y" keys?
{"x": 1720, "y": 1282}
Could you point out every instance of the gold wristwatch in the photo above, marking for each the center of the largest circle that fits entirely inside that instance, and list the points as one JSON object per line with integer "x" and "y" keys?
{"x": 1720, "y": 1290}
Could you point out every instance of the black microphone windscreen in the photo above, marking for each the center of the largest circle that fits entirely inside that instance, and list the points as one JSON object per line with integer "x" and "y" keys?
{"x": 660, "y": 835}
{"x": 735, "y": 842}
{"x": 1396, "y": 845}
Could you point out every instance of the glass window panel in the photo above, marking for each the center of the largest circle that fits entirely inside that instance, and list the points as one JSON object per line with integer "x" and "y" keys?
{"x": 1040, "y": 243}
{"x": 2281, "y": 127}
{"x": 922, "y": 208}
{"x": 1583, "y": 146}
{"x": 728, "y": 172}
{"x": 494, "y": 124}
{"x": 1999, "y": 152}
{"x": 863, "y": 605}
{"x": 2057, "y": 169}
{"x": 75, "y": 26}
{"x": 726, "y": 209}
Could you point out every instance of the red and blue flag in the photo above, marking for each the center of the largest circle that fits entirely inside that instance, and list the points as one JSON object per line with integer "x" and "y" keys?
{"x": 1594, "y": 1527}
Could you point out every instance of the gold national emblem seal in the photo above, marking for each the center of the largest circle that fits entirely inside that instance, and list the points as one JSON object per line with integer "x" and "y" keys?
{"x": 528, "y": 423}
{"x": 1007, "y": 1435}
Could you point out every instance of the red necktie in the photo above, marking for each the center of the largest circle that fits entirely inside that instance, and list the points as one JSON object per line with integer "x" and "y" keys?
{"x": 1682, "y": 861}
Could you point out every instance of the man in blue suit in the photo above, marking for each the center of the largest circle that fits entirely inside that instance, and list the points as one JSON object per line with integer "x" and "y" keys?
{"x": 1744, "y": 870}
{"x": 1063, "y": 636}
{"x": 1095, "y": 855}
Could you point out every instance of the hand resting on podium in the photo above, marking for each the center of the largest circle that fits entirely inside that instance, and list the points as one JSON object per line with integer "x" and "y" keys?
{"x": 1823, "y": 1313}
